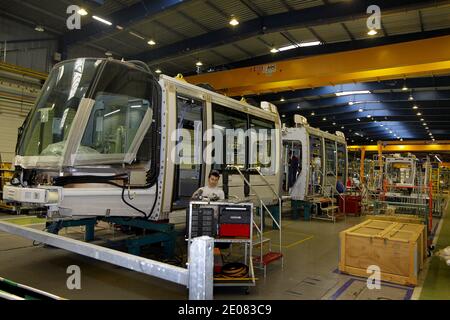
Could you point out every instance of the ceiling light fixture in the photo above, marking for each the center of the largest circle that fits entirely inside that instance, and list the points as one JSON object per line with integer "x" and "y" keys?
{"x": 82, "y": 12}
{"x": 348, "y": 93}
{"x": 39, "y": 29}
{"x": 234, "y": 22}
{"x": 151, "y": 42}
{"x": 286, "y": 48}
{"x": 274, "y": 50}
{"x": 282, "y": 100}
{"x": 358, "y": 119}
{"x": 102, "y": 20}
{"x": 360, "y": 110}
{"x": 419, "y": 114}
{"x": 411, "y": 98}
{"x": 324, "y": 119}
{"x": 415, "y": 107}
{"x": 158, "y": 71}
{"x": 313, "y": 113}
{"x": 372, "y": 32}
{"x": 137, "y": 35}
{"x": 199, "y": 63}
{"x": 310, "y": 44}
{"x": 351, "y": 103}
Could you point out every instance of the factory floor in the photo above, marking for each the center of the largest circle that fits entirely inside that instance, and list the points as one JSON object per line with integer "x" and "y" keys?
{"x": 310, "y": 269}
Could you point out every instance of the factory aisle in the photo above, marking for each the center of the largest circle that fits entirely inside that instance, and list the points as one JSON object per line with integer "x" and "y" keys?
{"x": 437, "y": 282}
{"x": 311, "y": 250}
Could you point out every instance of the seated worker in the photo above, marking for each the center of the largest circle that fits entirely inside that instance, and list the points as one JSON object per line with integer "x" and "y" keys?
{"x": 210, "y": 191}
{"x": 339, "y": 185}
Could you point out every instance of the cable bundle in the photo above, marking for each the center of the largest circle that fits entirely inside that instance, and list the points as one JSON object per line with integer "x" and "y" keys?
{"x": 235, "y": 270}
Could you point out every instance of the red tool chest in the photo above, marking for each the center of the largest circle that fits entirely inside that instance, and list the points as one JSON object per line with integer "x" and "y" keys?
{"x": 352, "y": 204}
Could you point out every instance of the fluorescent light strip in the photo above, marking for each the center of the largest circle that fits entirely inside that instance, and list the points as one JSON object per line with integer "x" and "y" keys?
{"x": 310, "y": 44}
{"x": 287, "y": 48}
{"x": 102, "y": 20}
{"x": 349, "y": 93}
{"x": 111, "y": 113}
{"x": 300, "y": 45}
{"x": 137, "y": 36}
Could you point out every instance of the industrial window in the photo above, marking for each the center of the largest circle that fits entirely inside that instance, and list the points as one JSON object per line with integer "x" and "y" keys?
{"x": 122, "y": 110}
{"x": 316, "y": 163}
{"x": 261, "y": 142}
{"x": 189, "y": 139}
{"x": 342, "y": 161}
{"x": 331, "y": 154}
{"x": 231, "y": 127}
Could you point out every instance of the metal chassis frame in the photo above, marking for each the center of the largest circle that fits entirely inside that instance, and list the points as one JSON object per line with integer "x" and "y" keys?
{"x": 198, "y": 277}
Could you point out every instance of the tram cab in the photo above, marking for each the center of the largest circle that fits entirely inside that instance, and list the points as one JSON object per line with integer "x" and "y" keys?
{"x": 322, "y": 159}
{"x": 110, "y": 138}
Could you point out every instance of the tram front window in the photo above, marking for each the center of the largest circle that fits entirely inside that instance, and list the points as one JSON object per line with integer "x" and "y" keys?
{"x": 49, "y": 125}
{"x": 120, "y": 116}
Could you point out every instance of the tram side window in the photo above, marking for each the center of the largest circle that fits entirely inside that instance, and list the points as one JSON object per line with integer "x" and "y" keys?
{"x": 316, "y": 161}
{"x": 188, "y": 167}
{"x": 330, "y": 149}
{"x": 261, "y": 143}
{"x": 342, "y": 161}
{"x": 229, "y": 137}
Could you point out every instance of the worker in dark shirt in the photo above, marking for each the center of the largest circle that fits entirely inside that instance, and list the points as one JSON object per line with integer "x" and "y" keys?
{"x": 339, "y": 185}
{"x": 293, "y": 169}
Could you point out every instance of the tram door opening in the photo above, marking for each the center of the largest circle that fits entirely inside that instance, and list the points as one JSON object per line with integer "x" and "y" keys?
{"x": 188, "y": 167}
{"x": 292, "y": 162}
{"x": 316, "y": 166}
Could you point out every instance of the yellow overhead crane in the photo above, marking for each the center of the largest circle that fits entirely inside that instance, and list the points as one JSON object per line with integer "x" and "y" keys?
{"x": 23, "y": 71}
{"x": 394, "y": 146}
{"x": 415, "y": 58}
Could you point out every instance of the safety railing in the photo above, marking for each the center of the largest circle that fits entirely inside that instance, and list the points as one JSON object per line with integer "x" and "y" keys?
{"x": 263, "y": 207}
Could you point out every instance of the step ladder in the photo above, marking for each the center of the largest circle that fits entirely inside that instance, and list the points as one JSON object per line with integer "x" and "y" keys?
{"x": 326, "y": 203}
{"x": 266, "y": 256}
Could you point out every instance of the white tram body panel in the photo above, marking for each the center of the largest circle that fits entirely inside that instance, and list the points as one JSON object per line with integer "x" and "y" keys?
{"x": 102, "y": 136}
{"x": 322, "y": 157}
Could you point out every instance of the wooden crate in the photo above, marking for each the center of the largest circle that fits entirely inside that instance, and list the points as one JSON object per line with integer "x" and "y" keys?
{"x": 398, "y": 248}
{"x": 405, "y": 218}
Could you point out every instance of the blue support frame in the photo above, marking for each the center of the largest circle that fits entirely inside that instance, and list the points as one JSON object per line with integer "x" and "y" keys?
{"x": 163, "y": 233}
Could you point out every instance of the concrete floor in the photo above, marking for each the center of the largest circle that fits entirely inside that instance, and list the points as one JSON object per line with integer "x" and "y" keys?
{"x": 310, "y": 270}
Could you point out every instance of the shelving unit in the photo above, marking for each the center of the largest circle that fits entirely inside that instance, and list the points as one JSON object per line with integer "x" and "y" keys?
{"x": 204, "y": 220}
